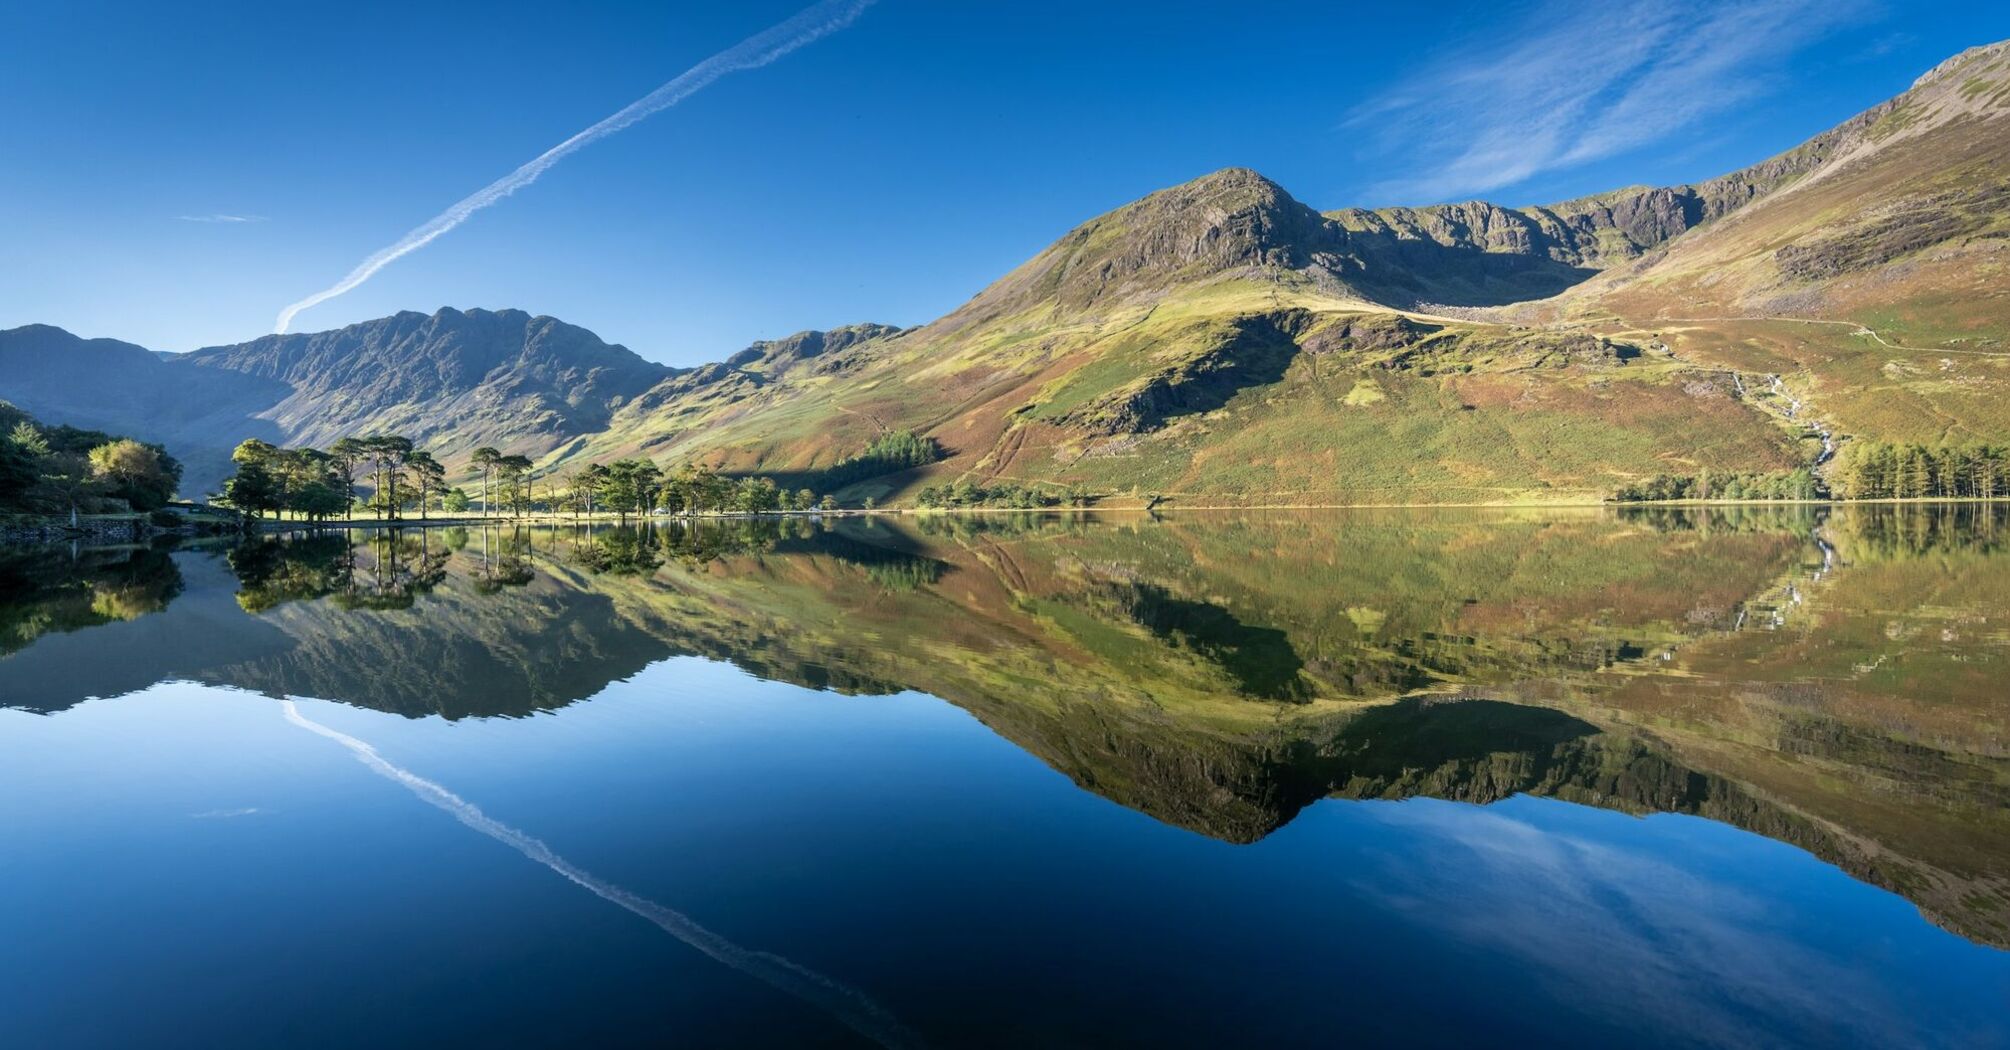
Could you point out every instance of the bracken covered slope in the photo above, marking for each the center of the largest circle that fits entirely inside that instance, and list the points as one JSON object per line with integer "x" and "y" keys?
{"x": 1219, "y": 342}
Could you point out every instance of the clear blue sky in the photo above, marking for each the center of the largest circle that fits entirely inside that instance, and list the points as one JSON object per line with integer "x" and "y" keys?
{"x": 886, "y": 172}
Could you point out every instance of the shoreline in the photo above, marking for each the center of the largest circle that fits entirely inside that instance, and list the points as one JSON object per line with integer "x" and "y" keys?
{"x": 855, "y": 512}
{"x": 39, "y": 533}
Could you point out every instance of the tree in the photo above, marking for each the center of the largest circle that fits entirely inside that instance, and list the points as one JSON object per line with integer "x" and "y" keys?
{"x": 390, "y": 452}
{"x": 628, "y": 485}
{"x": 676, "y": 491}
{"x": 619, "y": 487}
{"x": 142, "y": 475}
{"x": 29, "y": 439}
{"x": 455, "y": 501}
{"x": 485, "y": 458}
{"x": 429, "y": 475}
{"x": 648, "y": 481}
{"x": 515, "y": 470}
{"x": 320, "y": 499}
{"x": 346, "y": 454}
{"x": 589, "y": 482}
{"x": 65, "y": 481}
{"x": 302, "y": 475}
{"x": 891, "y": 451}
{"x": 829, "y": 502}
{"x": 756, "y": 496}
{"x": 18, "y": 463}
{"x": 253, "y": 489}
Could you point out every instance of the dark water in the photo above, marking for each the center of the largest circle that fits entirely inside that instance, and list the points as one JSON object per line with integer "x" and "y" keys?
{"x": 1582, "y": 779}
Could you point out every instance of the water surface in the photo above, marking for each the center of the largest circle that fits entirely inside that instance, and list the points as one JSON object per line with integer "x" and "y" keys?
{"x": 1657, "y": 778}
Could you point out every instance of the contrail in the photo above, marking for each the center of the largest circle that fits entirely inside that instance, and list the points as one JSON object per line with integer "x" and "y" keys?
{"x": 755, "y": 51}
{"x": 843, "y": 1002}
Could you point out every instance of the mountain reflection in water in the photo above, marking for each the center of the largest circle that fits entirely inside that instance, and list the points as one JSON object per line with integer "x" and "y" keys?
{"x": 1826, "y": 679}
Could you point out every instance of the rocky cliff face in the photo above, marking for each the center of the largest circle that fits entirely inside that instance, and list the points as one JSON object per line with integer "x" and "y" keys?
{"x": 481, "y": 376}
{"x": 774, "y": 357}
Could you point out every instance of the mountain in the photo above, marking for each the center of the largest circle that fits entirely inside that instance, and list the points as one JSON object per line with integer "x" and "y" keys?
{"x": 451, "y": 381}
{"x": 480, "y": 377}
{"x": 104, "y": 384}
{"x": 1220, "y": 342}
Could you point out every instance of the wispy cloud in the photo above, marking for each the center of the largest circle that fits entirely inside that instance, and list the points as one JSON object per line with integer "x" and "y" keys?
{"x": 221, "y": 217}
{"x": 1614, "y": 926}
{"x": 1579, "y": 82}
{"x": 754, "y": 52}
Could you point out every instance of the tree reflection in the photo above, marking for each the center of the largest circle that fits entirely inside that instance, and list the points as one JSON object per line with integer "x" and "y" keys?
{"x": 54, "y": 591}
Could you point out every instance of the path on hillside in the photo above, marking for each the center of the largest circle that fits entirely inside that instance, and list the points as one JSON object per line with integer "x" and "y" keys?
{"x": 1855, "y": 329}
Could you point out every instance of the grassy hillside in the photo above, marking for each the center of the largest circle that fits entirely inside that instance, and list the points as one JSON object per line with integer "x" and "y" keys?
{"x": 1249, "y": 384}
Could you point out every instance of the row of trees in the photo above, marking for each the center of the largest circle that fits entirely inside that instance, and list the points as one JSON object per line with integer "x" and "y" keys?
{"x": 1878, "y": 470}
{"x": 639, "y": 486}
{"x": 1008, "y": 495}
{"x": 66, "y": 470}
{"x": 1779, "y": 485}
{"x": 320, "y": 484}
{"x": 1865, "y": 470}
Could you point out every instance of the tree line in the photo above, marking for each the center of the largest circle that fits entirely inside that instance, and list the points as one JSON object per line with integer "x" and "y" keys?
{"x": 321, "y": 484}
{"x": 890, "y": 452}
{"x": 1880, "y": 470}
{"x": 1864, "y": 470}
{"x": 1798, "y": 484}
{"x": 639, "y": 486}
{"x": 1007, "y": 495}
{"x": 68, "y": 470}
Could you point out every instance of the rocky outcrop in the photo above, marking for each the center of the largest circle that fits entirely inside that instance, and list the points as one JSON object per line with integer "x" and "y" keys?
{"x": 1243, "y": 352}
{"x": 777, "y": 356}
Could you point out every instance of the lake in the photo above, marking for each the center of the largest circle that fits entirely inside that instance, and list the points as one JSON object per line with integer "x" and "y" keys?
{"x": 1659, "y": 777}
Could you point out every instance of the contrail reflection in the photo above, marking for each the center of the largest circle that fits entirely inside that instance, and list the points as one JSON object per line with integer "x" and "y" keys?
{"x": 841, "y": 1001}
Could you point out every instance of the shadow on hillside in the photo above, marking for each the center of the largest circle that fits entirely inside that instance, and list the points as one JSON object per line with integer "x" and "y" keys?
{"x": 1410, "y": 273}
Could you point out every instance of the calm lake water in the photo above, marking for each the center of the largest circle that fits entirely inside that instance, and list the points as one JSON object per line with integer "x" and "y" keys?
{"x": 1549, "y": 778}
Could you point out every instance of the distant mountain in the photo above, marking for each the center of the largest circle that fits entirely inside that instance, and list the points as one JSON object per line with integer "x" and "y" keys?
{"x": 479, "y": 377}
{"x": 104, "y": 384}
{"x": 453, "y": 380}
{"x": 1221, "y": 342}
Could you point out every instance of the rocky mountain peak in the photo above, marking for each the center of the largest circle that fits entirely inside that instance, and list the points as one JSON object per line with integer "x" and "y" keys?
{"x": 1233, "y": 222}
{"x": 1984, "y": 53}
{"x": 774, "y": 356}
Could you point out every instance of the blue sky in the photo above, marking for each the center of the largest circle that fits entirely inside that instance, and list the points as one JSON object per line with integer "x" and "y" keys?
{"x": 885, "y": 172}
